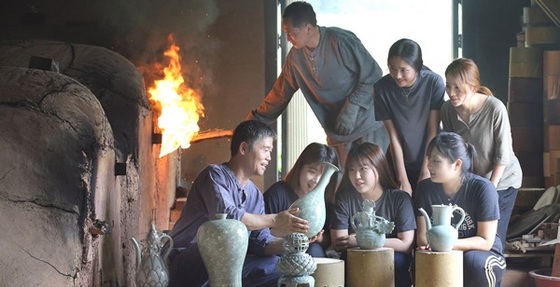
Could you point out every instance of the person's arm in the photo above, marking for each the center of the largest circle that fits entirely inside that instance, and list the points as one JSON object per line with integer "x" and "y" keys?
{"x": 278, "y": 233}
{"x": 278, "y": 98}
{"x": 484, "y": 239}
{"x": 503, "y": 145}
{"x": 275, "y": 202}
{"x": 433, "y": 125}
{"x": 398, "y": 156}
{"x": 341, "y": 240}
{"x": 284, "y": 221}
{"x": 403, "y": 241}
{"x": 274, "y": 247}
{"x": 257, "y": 219}
{"x": 421, "y": 236}
{"x": 497, "y": 173}
{"x": 356, "y": 57}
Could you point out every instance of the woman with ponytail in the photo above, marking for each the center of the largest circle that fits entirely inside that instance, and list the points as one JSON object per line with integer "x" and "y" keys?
{"x": 451, "y": 162}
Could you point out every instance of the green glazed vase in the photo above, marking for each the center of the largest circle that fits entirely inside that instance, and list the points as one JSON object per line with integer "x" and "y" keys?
{"x": 223, "y": 246}
{"x": 312, "y": 204}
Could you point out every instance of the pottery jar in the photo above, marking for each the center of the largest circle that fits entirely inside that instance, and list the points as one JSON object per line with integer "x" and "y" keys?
{"x": 223, "y": 246}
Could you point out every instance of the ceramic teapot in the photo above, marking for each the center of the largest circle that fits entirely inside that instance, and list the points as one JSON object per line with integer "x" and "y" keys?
{"x": 442, "y": 235}
{"x": 151, "y": 269}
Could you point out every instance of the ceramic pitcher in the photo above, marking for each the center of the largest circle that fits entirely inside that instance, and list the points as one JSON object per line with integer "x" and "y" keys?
{"x": 151, "y": 268}
{"x": 312, "y": 204}
{"x": 442, "y": 235}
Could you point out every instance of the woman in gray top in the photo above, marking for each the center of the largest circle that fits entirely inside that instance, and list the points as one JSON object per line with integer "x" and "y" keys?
{"x": 407, "y": 100}
{"x": 482, "y": 120}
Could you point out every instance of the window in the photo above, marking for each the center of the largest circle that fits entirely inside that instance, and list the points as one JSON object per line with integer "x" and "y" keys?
{"x": 378, "y": 24}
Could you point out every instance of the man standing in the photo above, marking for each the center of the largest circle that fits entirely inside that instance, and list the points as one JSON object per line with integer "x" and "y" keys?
{"x": 335, "y": 73}
{"x": 227, "y": 188}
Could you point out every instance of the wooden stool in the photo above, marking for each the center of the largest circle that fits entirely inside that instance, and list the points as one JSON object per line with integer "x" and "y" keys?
{"x": 438, "y": 269}
{"x": 329, "y": 272}
{"x": 372, "y": 268}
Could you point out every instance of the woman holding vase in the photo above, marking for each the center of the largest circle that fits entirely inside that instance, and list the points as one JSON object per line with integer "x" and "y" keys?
{"x": 301, "y": 179}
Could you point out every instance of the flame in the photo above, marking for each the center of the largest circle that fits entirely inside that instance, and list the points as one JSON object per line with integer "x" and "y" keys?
{"x": 181, "y": 106}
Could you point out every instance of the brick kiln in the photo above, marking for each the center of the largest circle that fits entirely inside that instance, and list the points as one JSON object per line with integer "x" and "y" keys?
{"x": 79, "y": 174}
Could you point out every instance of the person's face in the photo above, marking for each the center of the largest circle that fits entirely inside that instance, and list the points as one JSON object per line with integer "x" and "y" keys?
{"x": 457, "y": 91}
{"x": 363, "y": 177}
{"x": 442, "y": 170}
{"x": 298, "y": 36}
{"x": 309, "y": 176}
{"x": 403, "y": 73}
{"x": 259, "y": 155}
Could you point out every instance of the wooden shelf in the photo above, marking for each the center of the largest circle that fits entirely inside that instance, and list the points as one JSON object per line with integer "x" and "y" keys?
{"x": 510, "y": 254}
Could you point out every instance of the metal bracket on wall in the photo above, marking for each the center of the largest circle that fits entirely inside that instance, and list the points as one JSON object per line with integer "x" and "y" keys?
{"x": 120, "y": 168}
{"x": 156, "y": 138}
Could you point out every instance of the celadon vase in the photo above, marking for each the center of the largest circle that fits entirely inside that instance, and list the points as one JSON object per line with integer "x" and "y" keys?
{"x": 370, "y": 229}
{"x": 442, "y": 235}
{"x": 312, "y": 204}
{"x": 223, "y": 246}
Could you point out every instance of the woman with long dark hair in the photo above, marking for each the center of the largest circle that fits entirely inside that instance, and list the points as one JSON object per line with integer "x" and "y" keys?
{"x": 367, "y": 177}
{"x": 408, "y": 100}
{"x": 301, "y": 179}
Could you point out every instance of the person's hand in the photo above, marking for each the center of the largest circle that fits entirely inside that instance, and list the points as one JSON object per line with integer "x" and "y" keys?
{"x": 342, "y": 243}
{"x": 288, "y": 222}
{"x": 317, "y": 238}
{"x": 346, "y": 119}
{"x": 423, "y": 247}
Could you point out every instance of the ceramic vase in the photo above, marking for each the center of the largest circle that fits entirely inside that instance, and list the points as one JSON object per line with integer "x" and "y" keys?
{"x": 442, "y": 235}
{"x": 312, "y": 204}
{"x": 223, "y": 246}
{"x": 370, "y": 229}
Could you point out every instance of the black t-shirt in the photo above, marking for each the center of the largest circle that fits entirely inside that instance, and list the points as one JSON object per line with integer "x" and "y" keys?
{"x": 393, "y": 205}
{"x": 477, "y": 197}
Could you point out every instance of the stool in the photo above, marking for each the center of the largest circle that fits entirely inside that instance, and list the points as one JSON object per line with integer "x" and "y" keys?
{"x": 329, "y": 272}
{"x": 438, "y": 269}
{"x": 372, "y": 268}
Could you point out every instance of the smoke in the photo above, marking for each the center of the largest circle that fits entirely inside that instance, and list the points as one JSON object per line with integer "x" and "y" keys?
{"x": 144, "y": 25}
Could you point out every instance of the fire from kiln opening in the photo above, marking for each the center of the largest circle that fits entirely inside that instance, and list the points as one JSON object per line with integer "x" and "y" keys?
{"x": 181, "y": 106}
